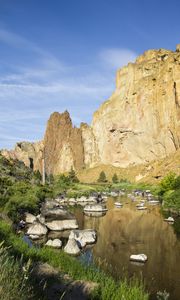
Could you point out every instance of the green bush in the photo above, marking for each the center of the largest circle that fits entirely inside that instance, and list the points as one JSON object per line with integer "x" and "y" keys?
{"x": 169, "y": 190}
{"x": 102, "y": 177}
{"x": 115, "y": 178}
{"x": 167, "y": 183}
{"x": 72, "y": 176}
{"x": 24, "y": 197}
{"x": 172, "y": 199}
{"x": 177, "y": 183}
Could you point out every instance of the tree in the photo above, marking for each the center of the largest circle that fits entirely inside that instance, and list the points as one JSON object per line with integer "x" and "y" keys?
{"x": 102, "y": 177}
{"x": 115, "y": 178}
{"x": 72, "y": 176}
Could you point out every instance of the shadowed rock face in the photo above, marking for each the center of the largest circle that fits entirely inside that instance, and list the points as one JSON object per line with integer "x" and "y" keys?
{"x": 139, "y": 123}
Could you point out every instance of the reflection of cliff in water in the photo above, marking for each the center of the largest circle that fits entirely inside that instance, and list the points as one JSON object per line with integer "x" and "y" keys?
{"x": 123, "y": 232}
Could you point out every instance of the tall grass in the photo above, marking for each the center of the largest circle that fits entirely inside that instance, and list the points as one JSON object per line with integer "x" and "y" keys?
{"x": 14, "y": 284}
{"x": 107, "y": 288}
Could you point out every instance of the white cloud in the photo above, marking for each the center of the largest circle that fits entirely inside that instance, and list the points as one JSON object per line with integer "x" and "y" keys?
{"x": 116, "y": 58}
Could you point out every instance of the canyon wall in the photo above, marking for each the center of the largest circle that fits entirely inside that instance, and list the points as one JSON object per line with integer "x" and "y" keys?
{"x": 138, "y": 124}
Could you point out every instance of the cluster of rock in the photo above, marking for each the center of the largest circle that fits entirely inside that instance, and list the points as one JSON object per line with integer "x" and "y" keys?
{"x": 55, "y": 218}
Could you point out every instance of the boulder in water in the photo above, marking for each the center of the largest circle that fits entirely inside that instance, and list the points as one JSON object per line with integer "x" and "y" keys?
{"x": 139, "y": 258}
{"x": 59, "y": 225}
{"x": 84, "y": 237}
{"x": 56, "y": 243}
{"x": 95, "y": 207}
{"x": 37, "y": 229}
{"x": 72, "y": 247}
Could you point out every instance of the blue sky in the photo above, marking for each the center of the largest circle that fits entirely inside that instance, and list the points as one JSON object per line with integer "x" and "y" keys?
{"x": 57, "y": 55}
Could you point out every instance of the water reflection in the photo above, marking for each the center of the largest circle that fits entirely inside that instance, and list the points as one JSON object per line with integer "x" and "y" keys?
{"x": 125, "y": 231}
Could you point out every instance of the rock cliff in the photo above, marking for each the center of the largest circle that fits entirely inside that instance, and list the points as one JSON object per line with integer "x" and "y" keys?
{"x": 63, "y": 144}
{"x": 140, "y": 122}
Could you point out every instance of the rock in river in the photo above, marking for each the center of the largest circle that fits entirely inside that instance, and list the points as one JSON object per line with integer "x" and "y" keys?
{"x": 62, "y": 224}
{"x": 54, "y": 243}
{"x": 37, "y": 229}
{"x": 84, "y": 237}
{"x": 72, "y": 247}
{"x": 56, "y": 213}
{"x": 95, "y": 208}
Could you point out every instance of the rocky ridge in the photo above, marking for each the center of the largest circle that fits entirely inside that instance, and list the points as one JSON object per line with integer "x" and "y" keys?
{"x": 139, "y": 123}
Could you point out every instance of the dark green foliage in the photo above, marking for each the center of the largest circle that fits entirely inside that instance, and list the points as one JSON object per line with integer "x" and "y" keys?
{"x": 61, "y": 184}
{"x": 172, "y": 199}
{"x": 102, "y": 177}
{"x": 115, "y": 178}
{"x": 23, "y": 197}
{"x": 167, "y": 183}
{"x": 177, "y": 183}
{"x": 37, "y": 175}
{"x": 169, "y": 190}
{"x": 14, "y": 169}
{"x": 72, "y": 176}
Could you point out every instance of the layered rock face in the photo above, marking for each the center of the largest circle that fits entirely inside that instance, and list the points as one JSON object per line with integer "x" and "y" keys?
{"x": 139, "y": 123}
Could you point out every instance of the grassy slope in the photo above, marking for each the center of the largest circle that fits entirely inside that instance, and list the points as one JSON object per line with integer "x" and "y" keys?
{"x": 151, "y": 172}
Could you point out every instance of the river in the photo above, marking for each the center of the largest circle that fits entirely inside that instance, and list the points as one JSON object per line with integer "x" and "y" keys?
{"x": 125, "y": 231}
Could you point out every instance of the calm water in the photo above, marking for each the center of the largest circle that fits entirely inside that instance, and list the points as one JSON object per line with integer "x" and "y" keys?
{"x": 125, "y": 231}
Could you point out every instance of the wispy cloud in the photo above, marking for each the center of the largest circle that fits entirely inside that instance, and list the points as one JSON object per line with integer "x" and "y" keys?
{"x": 29, "y": 93}
{"x": 116, "y": 58}
{"x": 17, "y": 41}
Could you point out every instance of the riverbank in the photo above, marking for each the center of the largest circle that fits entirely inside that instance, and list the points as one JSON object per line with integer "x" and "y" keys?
{"x": 107, "y": 287}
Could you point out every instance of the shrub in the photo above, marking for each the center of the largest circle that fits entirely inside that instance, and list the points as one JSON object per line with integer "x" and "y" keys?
{"x": 102, "y": 177}
{"x": 115, "y": 178}
{"x": 72, "y": 176}
{"x": 167, "y": 183}
{"x": 177, "y": 183}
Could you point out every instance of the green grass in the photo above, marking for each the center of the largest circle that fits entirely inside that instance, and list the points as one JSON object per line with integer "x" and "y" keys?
{"x": 107, "y": 289}
{"x": 14, "y": 278}
{"x": 80, "y": 189}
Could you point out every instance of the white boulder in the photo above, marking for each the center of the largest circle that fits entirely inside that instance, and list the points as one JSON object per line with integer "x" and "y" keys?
{"x": 37, "y": 229}
{"x": 138, "y": 257}
{"x": 84, "y": 237}
{"x": 72, "y": 247}
{"x": 30, "y": 218}
{"x": 169, "y": 219}
{"x": 56, "y": 243}
{"x": 59, "y": 225}
{"x": 41, "y": 218}
{"x": 95, "y": 208}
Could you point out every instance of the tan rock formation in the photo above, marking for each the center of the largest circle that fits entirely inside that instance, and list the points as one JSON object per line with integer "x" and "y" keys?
{"x": 29, "y": 153}
{"x": 63, "y": 145}
{"x": 140, "y": 122}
